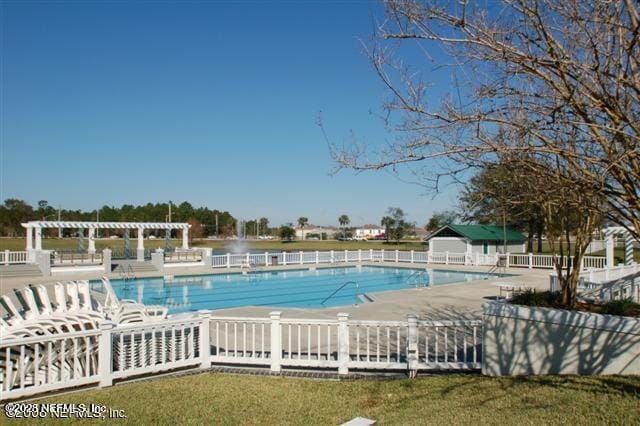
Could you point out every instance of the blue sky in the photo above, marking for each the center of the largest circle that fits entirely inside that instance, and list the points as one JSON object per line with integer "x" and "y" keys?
{"x": 213, "y": 103}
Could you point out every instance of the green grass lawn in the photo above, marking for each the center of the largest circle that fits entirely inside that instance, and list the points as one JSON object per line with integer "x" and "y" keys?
{"x": 216, "y": 398}
{"x": 72, "y": 244}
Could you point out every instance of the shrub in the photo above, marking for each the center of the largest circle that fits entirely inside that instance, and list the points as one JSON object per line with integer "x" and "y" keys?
{"x": 544, "y": 299}
{"x": 624, "y": 307}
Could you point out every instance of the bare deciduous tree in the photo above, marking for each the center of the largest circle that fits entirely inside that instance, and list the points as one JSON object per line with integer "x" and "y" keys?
{"x": 564, "y": 77}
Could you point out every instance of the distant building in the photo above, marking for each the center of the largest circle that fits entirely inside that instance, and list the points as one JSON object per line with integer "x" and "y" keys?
{"x": 471, "y": 239}
{"x": 302, "y": 233}
{"x": 368, "y": 232}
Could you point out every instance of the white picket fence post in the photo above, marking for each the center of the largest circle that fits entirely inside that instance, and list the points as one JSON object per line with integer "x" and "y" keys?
{"x": 343, "y": 343}
{"x": 359, "y": 255}
{"x": 317, "y": 257}
{"x": 276, "y": 341}
{"x": 6, "y": 257}
{"x": 446, "y": 257}
{"x": 530, "y": 260}
{"x": 266, "y": 258}
{"x": 508, "y": 264}
{"x": 228, "y": 260}
{"x": 412, "y": 343}
{"x": 301, "y": 262}
{"x": 284, "y": 258}
{"x": 370, "y": 255}
{"x": 205, "y": 345}
{"x": 397, "y": 255}
{"x": 104, "y": 353}
{"x": 332, "y": 258}
{"x": 411, "y": 256}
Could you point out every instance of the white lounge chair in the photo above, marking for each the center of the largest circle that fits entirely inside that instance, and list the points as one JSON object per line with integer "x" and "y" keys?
{"x": 126, "y": 310}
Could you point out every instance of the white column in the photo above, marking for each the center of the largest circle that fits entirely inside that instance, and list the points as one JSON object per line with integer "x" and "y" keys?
{"x": 105, "y": 353}
{"x": 628, "y": 248}
{"x": 205, "y": 344}
{"x": 610, "y": 246}
{"x": 343, "y": 343}
{"x": 92, "y": 240}
{"x": 276, "y": 341}
{"x": 29, "y": 238}
{"x": 185, "y": 238}
{"x": 140, "y": 253}
{"x": 38, "y": 238}
{"x": 412, "y": 344}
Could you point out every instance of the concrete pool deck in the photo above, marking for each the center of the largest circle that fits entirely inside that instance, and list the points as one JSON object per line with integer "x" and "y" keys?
{"x": 446, "y": 301}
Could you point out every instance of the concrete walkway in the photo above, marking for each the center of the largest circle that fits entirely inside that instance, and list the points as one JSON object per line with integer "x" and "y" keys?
{"x": 448, "y": 301}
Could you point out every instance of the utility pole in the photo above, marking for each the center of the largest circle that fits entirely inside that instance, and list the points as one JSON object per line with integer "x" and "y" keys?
{"x": 97, "y": 220}
{"x": 59, "y": 216}
{"x": 216, "y": 225}
{"x": 504, "y": 232}
{"x": 169, "y": 211}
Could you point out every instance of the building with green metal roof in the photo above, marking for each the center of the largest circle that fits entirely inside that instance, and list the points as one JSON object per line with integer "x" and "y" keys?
{"x": 472, "y": 239}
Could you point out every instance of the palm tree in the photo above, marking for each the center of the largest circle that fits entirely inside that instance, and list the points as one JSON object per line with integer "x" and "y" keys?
{"x": 302, "y": 221}
{"x": 344, "y": 221}
{"x": 387, "y": 222}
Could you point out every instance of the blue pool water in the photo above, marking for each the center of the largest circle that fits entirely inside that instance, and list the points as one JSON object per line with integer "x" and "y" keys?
{"x": 300, "y": 288}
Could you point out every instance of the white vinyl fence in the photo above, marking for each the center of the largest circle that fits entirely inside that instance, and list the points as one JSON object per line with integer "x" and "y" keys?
{"x": 36, "y": 364}
{"x": 62, "y": 258}
{"x": 232, "y": 260}
{"x": 8, "y": 257}
{"x": 620, "y": 282}
{"x": 421, "y": 257}
{"x": 183, "y": 256}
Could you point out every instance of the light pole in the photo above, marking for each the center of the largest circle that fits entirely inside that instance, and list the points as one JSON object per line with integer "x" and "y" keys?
{"x": 97, "y": 220}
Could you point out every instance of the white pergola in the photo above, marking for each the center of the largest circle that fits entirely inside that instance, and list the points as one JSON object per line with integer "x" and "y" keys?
{"x": 610, "y": 232}
{"x": 39, "y": 225}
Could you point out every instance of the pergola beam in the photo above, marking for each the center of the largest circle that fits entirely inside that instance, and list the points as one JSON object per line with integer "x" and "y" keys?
{"x": 104, "y": 225}
{"x": 39, "y": 225}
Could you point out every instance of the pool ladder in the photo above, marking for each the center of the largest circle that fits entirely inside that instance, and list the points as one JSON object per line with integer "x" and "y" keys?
{"x": 340, "y": 288}
{"x": 500, "y": 267}
{"x": 126, "y": 275}
{"x": 415, "y": 279}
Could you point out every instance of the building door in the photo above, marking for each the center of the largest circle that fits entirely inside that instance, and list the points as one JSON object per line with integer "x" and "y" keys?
{"x": 485, "y": 247}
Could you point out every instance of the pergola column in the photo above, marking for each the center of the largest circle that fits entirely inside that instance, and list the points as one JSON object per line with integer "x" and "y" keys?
{"x": 185, "y": 238}
{"x": 38, "y": 238}
{"x": 609, "y": 247}
{"x": 628, "y": 248}
{"x": 92, "y": 240}
{"x": 29, "y": 238}
{"x": 140, "y": 245}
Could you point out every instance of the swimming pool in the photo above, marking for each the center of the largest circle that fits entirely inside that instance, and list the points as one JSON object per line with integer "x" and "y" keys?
{"x": 308, "y": 288}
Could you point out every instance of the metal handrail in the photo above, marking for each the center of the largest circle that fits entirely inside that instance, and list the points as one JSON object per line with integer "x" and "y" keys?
{"x": 340, "y": 288}
{"x": 412, "y": 279}
{"x": 130, "y": 273}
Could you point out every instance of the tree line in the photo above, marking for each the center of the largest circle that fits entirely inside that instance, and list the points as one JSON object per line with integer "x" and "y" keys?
{"x": 204, "y": 221}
